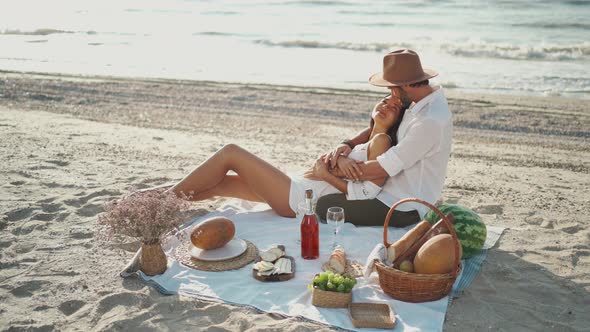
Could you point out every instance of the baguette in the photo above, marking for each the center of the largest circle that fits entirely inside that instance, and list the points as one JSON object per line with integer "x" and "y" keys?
{"x": 439, "y": 228}
{"x": 402, "y": 245}
{"x": 337, "y": 260}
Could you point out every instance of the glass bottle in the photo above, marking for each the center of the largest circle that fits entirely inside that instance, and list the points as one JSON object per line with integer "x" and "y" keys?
{"x": 310, "y": 234}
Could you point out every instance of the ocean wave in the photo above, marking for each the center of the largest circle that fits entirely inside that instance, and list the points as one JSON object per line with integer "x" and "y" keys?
{"x": 450, "y": 85}
{"x": 38, "y": 32}
{"x": 550, "y": 25}
{"x": 375, "y": 47}
{"x": 515, "y": 52}
{"x": 220, "y": 12}
{"x": 318, "y": 3}
{"x": 213, "y": 33}
{"x": 469, "y": 50}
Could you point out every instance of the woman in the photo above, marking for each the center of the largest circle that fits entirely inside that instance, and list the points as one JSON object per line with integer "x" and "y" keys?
{"x": 258, "y": 181}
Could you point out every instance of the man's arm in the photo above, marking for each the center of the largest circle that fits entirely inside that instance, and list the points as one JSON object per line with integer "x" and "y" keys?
{"x": 371, "y": 170}
{"x": 361, "y": 137}
{"x": 412, "y": 148}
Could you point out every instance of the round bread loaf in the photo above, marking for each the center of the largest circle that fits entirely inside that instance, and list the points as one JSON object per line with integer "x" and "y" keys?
{"x": 436, "y": 256}
{"x": 213, "y": 233}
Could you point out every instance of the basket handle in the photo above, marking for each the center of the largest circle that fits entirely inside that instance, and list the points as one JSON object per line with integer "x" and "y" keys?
{"x": 449, "y": 225}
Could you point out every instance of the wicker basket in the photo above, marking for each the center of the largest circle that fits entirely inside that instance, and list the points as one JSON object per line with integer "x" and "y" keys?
{"x": 328, "y": 299}
{"x": 372, "y": 315}
{"x": 415, "y": 287}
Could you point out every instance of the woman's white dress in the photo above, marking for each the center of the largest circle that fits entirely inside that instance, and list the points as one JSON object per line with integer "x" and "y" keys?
{"x": 356, "y": 189}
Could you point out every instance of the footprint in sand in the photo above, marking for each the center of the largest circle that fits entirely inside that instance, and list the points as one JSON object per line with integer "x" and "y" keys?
{"x": 127, "y": 300}
{"x": 90, "y": 210}
{"x": 217, "y": 313}
{"x": 151, "y": 182}
{"x": 80, "y": 234}
{"x": 41, "y": 307}
{"x": 44, "y": 216}
{"x": 58, "y": 162}
{"x": 23, "y": 248}
{"x": 50, "y": 207}
{"x": 62, "y": 216}
{"x": 19, "y": 214}
{"x": 7, "y": 241}
{"x": 47, "y": 200}
{"x": 533, "y": 220}
{"x": 70, "y": 307}
{"x": 27, "y": 288}
{"x": 450, "y": 200}
{"x": 58, "y": 185}
{"x": 29, "y": 226}
{"x": 548, "y": 224}
{"x": 490, "y": 209}
{"x": 78, "y": 202}
{"x": 40, "y": 167}
{"x": 572, "y": 229}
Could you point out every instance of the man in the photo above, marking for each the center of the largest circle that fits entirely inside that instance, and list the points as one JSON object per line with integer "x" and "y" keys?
{"x": 417, "y": 165}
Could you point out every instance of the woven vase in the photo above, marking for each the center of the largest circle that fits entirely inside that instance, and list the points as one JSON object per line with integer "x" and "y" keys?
{"x": 152, "y": 260}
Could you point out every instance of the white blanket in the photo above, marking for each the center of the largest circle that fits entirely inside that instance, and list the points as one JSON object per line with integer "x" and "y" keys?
{"x": 264, "y": 228}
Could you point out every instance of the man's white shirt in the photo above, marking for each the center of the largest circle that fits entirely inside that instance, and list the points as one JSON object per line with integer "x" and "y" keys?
{"x": 417, "y": 165}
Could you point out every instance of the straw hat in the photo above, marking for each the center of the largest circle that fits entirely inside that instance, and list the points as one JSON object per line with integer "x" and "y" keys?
{"x": 401, "y": 67}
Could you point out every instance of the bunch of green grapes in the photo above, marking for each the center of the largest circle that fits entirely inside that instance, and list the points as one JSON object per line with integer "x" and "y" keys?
{"x": 330, "y": 281}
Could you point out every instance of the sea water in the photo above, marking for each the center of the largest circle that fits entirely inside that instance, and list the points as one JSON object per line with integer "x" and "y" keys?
{"x": 526, "y": 47}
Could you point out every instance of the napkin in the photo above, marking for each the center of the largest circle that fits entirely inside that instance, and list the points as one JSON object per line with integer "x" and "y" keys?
{"x": 379, "y": 252}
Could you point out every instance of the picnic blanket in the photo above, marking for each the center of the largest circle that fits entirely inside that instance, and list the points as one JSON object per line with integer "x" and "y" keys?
{"x": 261, "y": 226}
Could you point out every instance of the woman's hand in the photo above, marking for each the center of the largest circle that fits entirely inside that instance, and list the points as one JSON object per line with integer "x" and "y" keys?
{"x": 310, "y": 175}
{"x": 318, "y": 171}
{"x": 350, "y": 168}
{"x": 321, "y": 168}
{"x": 333, "y": 156}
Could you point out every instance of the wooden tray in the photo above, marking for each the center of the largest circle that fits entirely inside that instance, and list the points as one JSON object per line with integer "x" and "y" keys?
{"x": 275, "y": 277}
{"x": 375, "y": 315}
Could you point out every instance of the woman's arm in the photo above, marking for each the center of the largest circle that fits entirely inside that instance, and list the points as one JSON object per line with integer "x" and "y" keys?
{"x": 363, "y": 189}
{"x": 344, "y": 148}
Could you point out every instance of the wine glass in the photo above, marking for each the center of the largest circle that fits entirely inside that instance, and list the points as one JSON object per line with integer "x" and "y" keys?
{"x": 335, "y": 217}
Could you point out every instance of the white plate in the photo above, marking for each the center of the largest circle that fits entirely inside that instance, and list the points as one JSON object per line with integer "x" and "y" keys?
{"x": 233, "y": 248}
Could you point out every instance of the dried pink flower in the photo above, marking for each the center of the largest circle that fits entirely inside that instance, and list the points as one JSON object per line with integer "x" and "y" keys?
{"x": 143, "y": 215}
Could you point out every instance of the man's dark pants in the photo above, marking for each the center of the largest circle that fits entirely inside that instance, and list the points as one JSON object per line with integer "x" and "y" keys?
{"x": 365, "y": 212}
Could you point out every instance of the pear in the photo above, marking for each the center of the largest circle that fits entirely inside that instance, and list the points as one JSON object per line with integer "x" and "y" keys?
{"x": 407, "y": 266}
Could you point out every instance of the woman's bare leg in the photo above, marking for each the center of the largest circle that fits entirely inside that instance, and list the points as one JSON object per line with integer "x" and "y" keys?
{"x": 230, "y": 186}
{"x": 263, "y": 179}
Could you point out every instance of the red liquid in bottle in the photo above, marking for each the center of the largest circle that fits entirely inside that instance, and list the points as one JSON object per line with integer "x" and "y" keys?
{"x": 310, "y": 239}
{"x": 310, "y": 233}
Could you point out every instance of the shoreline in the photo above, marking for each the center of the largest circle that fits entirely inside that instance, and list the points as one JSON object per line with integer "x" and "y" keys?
{"x": 70, "y": 144}
{"x": 452, "y": 93}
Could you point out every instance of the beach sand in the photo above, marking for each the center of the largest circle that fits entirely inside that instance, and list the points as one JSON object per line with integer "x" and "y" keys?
{"x": 69, "y": 144}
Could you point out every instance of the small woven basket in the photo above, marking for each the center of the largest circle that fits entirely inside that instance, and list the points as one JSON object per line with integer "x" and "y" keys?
{"x": 328, "y": 299}
{"x": 415, "y": 287}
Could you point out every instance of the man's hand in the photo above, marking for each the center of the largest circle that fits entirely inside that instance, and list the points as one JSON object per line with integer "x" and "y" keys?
{"x": 350, "y": 168}
{"x": 333, "y": 156}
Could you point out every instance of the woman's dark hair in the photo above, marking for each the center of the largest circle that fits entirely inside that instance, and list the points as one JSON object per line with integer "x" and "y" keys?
{"x": 392, "y": 131}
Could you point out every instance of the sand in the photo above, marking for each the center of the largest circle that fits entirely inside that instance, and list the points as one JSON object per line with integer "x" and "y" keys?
{"x": 69, "y": 144}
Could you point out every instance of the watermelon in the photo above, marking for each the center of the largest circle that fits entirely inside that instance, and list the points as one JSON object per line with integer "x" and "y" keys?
{"x": 469, "y": 227}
